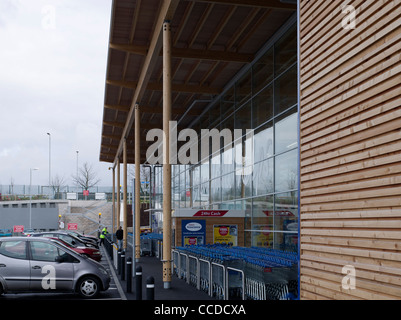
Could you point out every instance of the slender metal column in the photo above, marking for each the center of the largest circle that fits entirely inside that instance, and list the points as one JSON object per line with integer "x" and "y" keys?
{"x": 166, "y": 154}
{"x": 125, "y": 194}
{"x": 137, "y": 183}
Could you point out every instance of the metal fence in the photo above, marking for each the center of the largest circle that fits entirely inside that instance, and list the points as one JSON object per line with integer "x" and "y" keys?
{"x": 38, "y": 192}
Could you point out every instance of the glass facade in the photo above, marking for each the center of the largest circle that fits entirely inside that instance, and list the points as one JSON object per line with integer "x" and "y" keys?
{"x": 264, "y": 99}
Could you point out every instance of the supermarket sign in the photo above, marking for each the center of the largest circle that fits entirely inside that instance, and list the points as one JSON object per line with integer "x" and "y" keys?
{"x": 208, "y": 213}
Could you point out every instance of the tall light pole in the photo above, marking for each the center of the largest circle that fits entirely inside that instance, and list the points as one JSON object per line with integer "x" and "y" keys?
{"x": 30, "y": 196}
{"x": 50, "y": 146}
{"x": 77, "y": 172}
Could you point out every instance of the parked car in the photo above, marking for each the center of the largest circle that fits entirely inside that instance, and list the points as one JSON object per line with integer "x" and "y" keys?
{"x": 36, "y": 264}
{"x": 28, "y": 232}
{"x": 5, "y": 233}
{"x": 90, "y": 252}
{"x": 67, "y": 237}
{"x": 84, "y": 237}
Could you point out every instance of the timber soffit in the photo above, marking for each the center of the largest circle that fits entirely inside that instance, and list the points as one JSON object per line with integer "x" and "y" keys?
{"x": 212, "y": 41}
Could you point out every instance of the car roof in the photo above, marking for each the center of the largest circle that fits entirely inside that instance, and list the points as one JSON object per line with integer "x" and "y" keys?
{"x": 30, "y": 239}
{"x": 26, "y": 239}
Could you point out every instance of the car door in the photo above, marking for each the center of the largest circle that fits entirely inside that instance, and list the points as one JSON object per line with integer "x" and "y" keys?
{"x": 14, "y": 265}
{"x": 52, "y": 268}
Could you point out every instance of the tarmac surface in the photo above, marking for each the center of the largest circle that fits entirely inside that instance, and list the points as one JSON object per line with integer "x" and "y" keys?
{"x": 152, "y": 267}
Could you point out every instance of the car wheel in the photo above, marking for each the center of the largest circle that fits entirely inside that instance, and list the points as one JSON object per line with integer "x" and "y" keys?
{"x": 88, "y": 287}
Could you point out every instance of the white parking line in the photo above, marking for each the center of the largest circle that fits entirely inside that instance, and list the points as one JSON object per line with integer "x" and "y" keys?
{"x": 116, "y": 281}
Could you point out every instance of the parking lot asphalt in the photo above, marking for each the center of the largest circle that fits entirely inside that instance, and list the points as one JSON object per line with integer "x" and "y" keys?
{"x": 152, "y": 266}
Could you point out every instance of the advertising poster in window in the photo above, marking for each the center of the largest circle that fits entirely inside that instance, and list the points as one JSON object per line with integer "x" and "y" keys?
{"x": 193, "y": 232}
{"x": 225, "y": 234}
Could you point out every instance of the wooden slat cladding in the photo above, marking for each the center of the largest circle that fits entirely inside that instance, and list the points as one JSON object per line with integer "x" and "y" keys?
{"x": 350, "y": 133}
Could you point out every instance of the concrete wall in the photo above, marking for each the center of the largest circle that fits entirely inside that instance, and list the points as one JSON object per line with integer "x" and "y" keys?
{"x": 44, "y": 215}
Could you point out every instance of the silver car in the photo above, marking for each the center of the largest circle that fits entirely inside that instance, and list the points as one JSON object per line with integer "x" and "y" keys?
{"x": 30, "y": 264}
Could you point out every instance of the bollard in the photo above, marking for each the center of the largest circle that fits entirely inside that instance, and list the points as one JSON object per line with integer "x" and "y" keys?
{"x": 138, "y": 282}
{"x": 150, "y": 288}
{"x": 119, "y": 261}
{"x": 129, "y": 275}
{"x": 123, "y": 265}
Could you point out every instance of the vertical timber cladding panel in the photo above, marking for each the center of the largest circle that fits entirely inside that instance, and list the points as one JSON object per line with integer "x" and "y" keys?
{"x": 350, "y": 131}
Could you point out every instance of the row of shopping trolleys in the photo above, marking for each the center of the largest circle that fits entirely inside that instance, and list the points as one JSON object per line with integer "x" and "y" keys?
{"x": 231, "y": 272}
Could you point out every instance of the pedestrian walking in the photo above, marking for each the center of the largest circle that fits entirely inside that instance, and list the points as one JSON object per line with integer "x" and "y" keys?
{"x": 120, "y": 236}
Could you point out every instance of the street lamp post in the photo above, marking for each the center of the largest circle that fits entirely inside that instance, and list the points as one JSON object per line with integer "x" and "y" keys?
{"x": 76, "y": 178}
{"x": 30, "y": 196}
{"x": 50, "y": 140}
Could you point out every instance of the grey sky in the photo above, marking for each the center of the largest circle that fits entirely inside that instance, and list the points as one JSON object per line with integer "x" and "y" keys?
{"x": 52, "y": 72}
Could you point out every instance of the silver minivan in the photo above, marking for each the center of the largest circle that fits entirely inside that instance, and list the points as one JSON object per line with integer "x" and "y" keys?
{"x": 30, "y": 264}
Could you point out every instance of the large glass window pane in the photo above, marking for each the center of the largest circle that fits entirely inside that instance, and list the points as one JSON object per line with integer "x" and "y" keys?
{"x": 263, "y": 177}
{"x": 204, "y": 176}
{"x": 286, "y": 131}
{"x": 263, "y": 142}
{"x": 215, "y": 190}
{"x": 228, "y": 123}
{"x": 227, "y": 161}
{"x": 285, "y": 91}
{"x": 204, "y": 194}
{"x": 285, "y": 51}
{"x": 243, "y": 186}
{"x": 215, "y": 169}
{"x": 227, "y": 103}
{"x": 262, "y": 107}
{"x": 243, "y": 88}
{"x": 243, "y": 118}
{"x": 196, "y": 198}
{"x": 214, "y": 116}
{"x": 227, "y": 185}
{"x": 262, "y": 221}
{"x": 286, "y": 171}
{"x": 286, "y": 219}
{"x": 263, "y": 71}
{"x": 195, "y": 175}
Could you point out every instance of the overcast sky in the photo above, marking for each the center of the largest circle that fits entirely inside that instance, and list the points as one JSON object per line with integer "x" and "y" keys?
{"x": 53, "y": 61}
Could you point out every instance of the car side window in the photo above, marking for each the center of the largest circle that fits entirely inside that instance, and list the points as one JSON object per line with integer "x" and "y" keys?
{"x": 65, "y": 238}
{"x": 66, "y": 257}
{"x": 13, "y": 249}
{"x": 42, "y": 251}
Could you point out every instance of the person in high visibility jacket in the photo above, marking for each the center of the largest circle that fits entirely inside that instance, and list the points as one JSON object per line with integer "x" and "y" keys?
{"x": 103, "y": 235}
